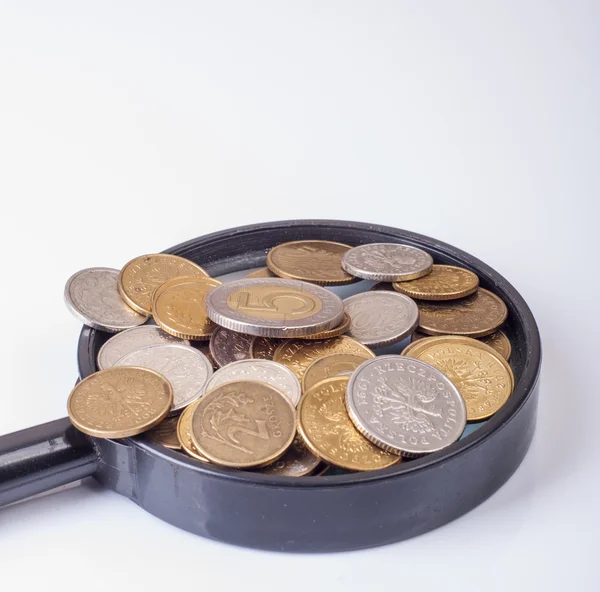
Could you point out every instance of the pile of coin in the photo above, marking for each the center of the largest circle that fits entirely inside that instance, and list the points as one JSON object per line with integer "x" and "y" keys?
{"x": 276, "y": 373}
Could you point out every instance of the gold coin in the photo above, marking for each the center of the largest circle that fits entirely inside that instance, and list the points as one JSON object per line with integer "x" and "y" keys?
{"x": 299, "y": 354}
{"x": 498, "y": 341}
{"x": 265, "y": 272}
{"x": 474, "y": 316}
{"x": 263, "y": 348}
{"x": 297, "y": 461}
{"x": 324, "y": 425}
{"x": 443, "y": 282}
{"x": 243, "y": 424}
{"x": 179, "y": 307}
{"x": 315, "y": 261}
{"x": 330, "y": 366}
{"x": 165, "y": 433}
{"x": 120, "y": 402}
{"x": 335, "y": 332}
{"x": 141, "y": 276}
{"x": 184, "y": 432}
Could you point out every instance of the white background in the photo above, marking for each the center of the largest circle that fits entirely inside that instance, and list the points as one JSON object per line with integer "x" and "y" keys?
{"x": 126, "y": 127}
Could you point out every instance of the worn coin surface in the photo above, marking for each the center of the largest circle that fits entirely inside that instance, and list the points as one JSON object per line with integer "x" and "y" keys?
{"x": 141, "y": 276}
{"x": 243, "y": 424}
{"x": 443, "y": 282}
{"x": 93, "y": 298}
{"x": 263, "y": 348}
{"x": 274, "y": 307}
{"x": 474, "y": 316}
{"x": 119, "y": 402}
{"x": 316, "y": 261}
{"x": 127, "y": 341}
{"x": 179, "y": 307}
{"x": 165, "y": 433}
{"x": 387, "y": 262}
{"x": 329, "y": 367}
{"x": 335, "y": 332}
{"x": 297, "y": 461}
{"x": 264, "y": 272}
{"x": 405, "y": 406}
{"x": 299, "y": 354}
{"x": 267, "y": 371}
{"x": 498, "y": 341}
{"x": 184, "y": 367}
{"x": 381, "y": 318}
{"x": 184, "y": 432}
{"x": 229, "y": 346}
{"x": 326, "y": 429}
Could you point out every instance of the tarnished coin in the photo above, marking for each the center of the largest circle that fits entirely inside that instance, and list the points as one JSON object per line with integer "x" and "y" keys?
{"x": 130, "y": 340}
{"x": 184, "y": 432}
{"x": 263, "y": 348}
{"x": 265, "y": 272}
{"x": 229, "y": 346}
{"x": 326, "y": 429}
{"x": 141, "y": 276}
{"x": 243, "y": 424}
{"x": 274, "y": 307}
{"x": 443, "y": 282}
{"x": 119, "y": 402}
{"x": 272, "y": 373}
{"x": 335, "y": 332}
{"x": 474, "y": 316}
{"x": 165, "y": 433}
{"x": 93, "y": 298}
{"x": 297, "y": 461}
{"x": 405, "y": 406}
{"x": 329, "y": 367}
{"x": 179, "y": 307}
{"x": 381, "y": 318}
{"x": 299, "y": 354}
{"x": 387, "y": 262}
{"x": 183, "y": 366}
{"x": 498, "y": 341}
{"x": 315, "y": 261}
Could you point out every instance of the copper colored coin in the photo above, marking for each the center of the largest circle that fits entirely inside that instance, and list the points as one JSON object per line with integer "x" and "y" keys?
{"x": 165, "y": 433}
{"x": 443, "y": 282}
{"x": 263, "y": 348}
{"x": 265, "y": 272}
{"x": 329, "y": 367}
{"x": 297, "y": 461}
{"x": 184, "y": 433}
{"x": 229, "y": 346}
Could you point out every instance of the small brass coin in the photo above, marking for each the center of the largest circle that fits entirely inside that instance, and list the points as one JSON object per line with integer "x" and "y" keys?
{"x": 179, "y": 307}
{"x": 329, "y": 367}
{"x": 335, "y": 332}
{"x": 297, "y": 461}
{"x": 119, "y": 402}
{"x": 265, "y": 272}
{"x": 243, "y": 424}
{"x": 498, "y": 341}
{"x": 184, "y": 433}
{"x": 474, "y": 316}
{"x": 327, "y": 430}
{"x": 263, "y": 348}
{"x": 165, "y": 433}
{"x": 299, "y": 354}
{"x": 443, "y": 282}
{"x": 141, "y": 276}
{"x": 315, "y": 261}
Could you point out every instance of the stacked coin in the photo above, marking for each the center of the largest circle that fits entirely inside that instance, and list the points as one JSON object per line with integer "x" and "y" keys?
{"x": 275, "y": 373}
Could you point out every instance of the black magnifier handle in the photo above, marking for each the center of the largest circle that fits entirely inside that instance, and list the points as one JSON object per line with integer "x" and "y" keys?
{"x": 42, "y": 458}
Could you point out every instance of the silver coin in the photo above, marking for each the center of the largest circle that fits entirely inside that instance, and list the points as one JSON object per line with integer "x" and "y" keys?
{"x": 93, "y": 298}
{"x": 290, "y": 309}
{"x": 405, "y": 406}
{"x": 131, "y": 340}
{"x": 381, "y": 318}
{"x": 229, "y": 346}
{"x": 387, "y": 262}
{"x": 187, "y": 369}
{"x": 277, "y": 375}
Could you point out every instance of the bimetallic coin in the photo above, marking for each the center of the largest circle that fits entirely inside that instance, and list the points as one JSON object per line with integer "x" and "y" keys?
{"x": 183, "y": 366}
{"x": 387, "y": 262}
{"x": 229, "y": 346}
{"x": 179, "y": 307}
{"x": 498, "y": 341}
{"x": 119, "y": 402}
{"x": 265, "y": 272}
{"x": 93, "y": 298}
{"x": 165, "y": 433}
{"x": 274, "y": 307}
{"x": 299, "y": 354}
{"x": 381, "y": 318}
{"x": 315, "y": 261}
{"x": 329, "y": 367}
{"x": 443, "y": 282}
{"x": 405, "y": 406}
{"x": 263, "y": 348}
{"x": 326, "y": 429}
{"x": 297, "y": 461}
{"x": 141, "y": 276}
{"x": 474, "y": 316}
{"x": 267, "y": 371}
{"x": 184, "y": 433}
{"x": 130, "y": 340}
{"x": 335, "y": 332}
{"x": 243, "y": 424}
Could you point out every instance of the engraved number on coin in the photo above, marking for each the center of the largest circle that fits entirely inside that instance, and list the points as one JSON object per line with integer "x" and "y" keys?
{"x": 280, "y": 304}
